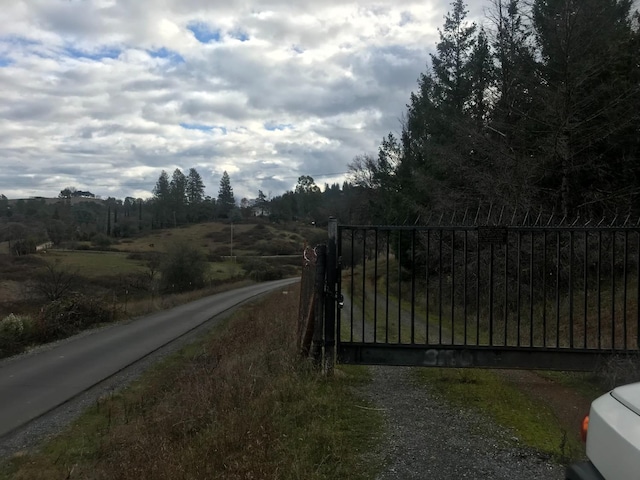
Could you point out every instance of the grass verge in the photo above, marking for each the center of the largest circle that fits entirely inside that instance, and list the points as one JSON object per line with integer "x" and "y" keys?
{"x": 239, "y": 404}
{"x": 532, "y": 422}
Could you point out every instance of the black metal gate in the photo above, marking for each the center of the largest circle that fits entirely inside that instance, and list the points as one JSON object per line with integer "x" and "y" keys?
{"x": 543, "y": 297}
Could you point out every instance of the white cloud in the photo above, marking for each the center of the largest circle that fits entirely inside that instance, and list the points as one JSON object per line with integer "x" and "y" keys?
{"x": 104, "y": 94}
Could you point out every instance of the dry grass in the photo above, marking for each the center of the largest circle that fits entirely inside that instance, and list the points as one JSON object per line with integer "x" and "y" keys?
{"x": 214, "y": 237}
{"x": 237, "y": 405}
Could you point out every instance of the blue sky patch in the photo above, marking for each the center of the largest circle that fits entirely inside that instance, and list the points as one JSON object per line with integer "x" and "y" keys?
{"x": 202, "y": 127}
{"x": 272, "y": 126}
{"x": 240, "y": 35}
{"x": 93, "y": 55}
{"x": 5, "y": 61}
{"x": 204, "y": 33}
{"x": 173, "y": 57}
{"x": 18, "y": 41}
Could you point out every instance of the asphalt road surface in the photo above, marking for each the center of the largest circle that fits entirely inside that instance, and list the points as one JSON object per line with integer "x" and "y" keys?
{"x": 33, "y": 384}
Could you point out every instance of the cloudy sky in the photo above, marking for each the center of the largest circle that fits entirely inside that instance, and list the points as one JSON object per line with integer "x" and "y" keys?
{"x": 103, "y": 95}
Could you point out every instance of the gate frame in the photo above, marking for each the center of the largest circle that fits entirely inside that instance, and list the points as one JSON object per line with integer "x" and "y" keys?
{"x": 436, "y": 355}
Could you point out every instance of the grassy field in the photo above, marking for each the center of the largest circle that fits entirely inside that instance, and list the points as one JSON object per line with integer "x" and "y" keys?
{"x": 94, "y": 263}
{"x": 238, "y": 404}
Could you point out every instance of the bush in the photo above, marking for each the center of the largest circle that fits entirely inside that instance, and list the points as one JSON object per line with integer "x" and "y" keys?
{"x": 12, "y": 334}
{"x": 101, "y": 240}
{"x": 184, "y": 268}
{"x": 261, "y": 271}
{"x": 64, "y": 317}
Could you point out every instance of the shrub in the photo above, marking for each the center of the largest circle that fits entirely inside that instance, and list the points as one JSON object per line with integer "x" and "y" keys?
{"x": 184, "y": 268}
{"x": 54, "y": 281}
{"x": 261, "y": 271}
{"x": 12, "y": 335}
{"x": 101, "y": 240}
{"x": 64, "y": 317}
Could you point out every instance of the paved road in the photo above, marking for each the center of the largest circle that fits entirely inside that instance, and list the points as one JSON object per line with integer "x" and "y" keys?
{"x": 33, "y": 384}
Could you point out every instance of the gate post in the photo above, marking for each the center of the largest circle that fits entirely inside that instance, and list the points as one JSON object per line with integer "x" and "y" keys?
{"x": 318, "y": 305}
{"x": 330, "y": 298}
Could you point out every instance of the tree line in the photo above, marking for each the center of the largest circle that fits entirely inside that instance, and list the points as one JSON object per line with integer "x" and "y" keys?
{"x": 178, "y": 200}
{"x": 537, "y": 109}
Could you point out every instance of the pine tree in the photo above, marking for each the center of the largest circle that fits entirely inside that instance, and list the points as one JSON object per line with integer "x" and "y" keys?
{"x": 438, "y": 131}
{"x": 481, "y": 76}
{"x": 261, "y": 203}
{"x": 451, "y": 64}
{"x": 589, "y": 67}
{"x": 178, "y": 194}
{"x": 226, "y": 202}
{"x": 195, "y": 187}
{"x": 162, "y": 199}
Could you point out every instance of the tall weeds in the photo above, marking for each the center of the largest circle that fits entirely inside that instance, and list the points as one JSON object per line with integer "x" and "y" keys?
{"x": 239, "y": 405}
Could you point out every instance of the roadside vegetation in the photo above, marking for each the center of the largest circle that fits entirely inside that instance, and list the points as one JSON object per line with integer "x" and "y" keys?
{"x": 240, "y": 403}
{"x": 61, "y": 291}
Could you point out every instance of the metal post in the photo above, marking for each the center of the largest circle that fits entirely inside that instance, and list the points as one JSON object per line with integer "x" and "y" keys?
{"x": 319, "y": 288}
{"x": 330, "y": 298}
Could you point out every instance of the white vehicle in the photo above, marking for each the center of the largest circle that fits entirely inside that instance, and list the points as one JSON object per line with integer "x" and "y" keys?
{"x": 612, "y": 432}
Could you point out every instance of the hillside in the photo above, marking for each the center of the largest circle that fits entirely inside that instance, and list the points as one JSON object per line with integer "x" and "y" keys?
{"x": 121, "y": 278}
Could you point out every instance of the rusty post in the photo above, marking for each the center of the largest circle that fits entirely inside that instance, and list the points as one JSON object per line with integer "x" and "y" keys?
{"x": 319, "y": 286}
{"x": 330, "y": 298}
{"x": 306, "y": 296}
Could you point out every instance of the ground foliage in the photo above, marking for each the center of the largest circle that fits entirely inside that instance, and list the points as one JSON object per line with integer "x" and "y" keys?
{"x": 239, "y": 405}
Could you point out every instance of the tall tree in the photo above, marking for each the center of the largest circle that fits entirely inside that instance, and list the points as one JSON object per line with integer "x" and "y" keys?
{"x": 226, "y": 201}
{"x": 178, "y": 194}
{"x": 451, "y": 63}
{"x": 589, "y": 66}
{"x": 261, "y": 203}
{"x": 308, "y": 197}
{"x": 195, "y": 187}
{"x": 438, "y": 132}
{"x": 162, "y": 199}
{"x": 376, "y": 181}
{"x": 481, "y": 77}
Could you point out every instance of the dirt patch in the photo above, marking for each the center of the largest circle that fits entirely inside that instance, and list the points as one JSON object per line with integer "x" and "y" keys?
{"x": 569, "y": 406}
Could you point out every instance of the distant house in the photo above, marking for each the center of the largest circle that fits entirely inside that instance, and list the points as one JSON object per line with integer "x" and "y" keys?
{"x": 260, "y": 211}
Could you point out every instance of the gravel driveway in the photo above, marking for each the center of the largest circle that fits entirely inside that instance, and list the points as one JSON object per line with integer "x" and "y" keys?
{"x": 428, "y": 439}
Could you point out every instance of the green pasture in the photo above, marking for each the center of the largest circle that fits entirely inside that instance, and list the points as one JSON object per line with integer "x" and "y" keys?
{"x": 96, "y": 264}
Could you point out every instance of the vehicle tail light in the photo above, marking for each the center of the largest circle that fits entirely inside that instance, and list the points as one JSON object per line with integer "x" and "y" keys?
{"x": 584, "y": 428}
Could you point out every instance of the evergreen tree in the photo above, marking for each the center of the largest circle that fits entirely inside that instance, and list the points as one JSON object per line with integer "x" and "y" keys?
{"x": 438, "y": 133}
{"x": 178, "y": 194}
{"x": 261, "y": 203}
{"x": 195, "y": 187}
{"x": 451, "y": 63}
{"x": 481, "y": 76}
{"x": 589, "y": 111}
{"x": 162, "y": 199}
{"x": 226, "y": 202}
